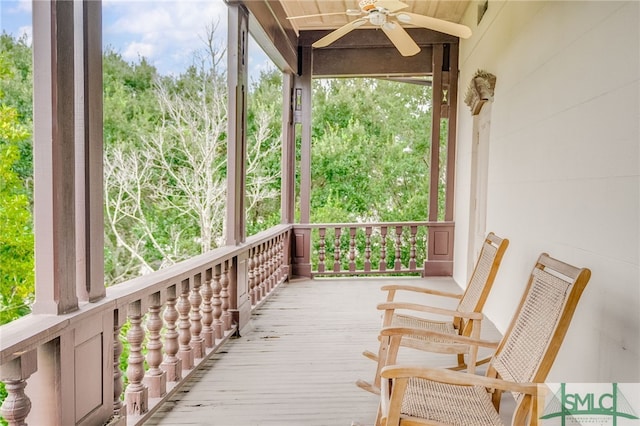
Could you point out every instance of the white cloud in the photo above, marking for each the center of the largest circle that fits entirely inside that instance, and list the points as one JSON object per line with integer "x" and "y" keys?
{"x": 24, "y": 6}
{"x": 136, "y": 50}
{"x": 167, "y": 32}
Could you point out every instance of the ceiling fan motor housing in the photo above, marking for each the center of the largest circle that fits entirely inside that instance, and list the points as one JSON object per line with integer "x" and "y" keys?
{"x": 377, "y": 18}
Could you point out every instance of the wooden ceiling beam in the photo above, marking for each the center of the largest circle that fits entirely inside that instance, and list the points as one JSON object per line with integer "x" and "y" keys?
{"x": 378, "y": 62}
{"x": 369, "y": 52}
{"x": 373, "y": 37}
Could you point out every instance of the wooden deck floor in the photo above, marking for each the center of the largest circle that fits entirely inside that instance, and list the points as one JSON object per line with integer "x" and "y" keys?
{"x": 298, "y": 363}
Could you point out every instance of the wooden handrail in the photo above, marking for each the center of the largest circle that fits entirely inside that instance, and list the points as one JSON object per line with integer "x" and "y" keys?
{"x": 197, "y": 295}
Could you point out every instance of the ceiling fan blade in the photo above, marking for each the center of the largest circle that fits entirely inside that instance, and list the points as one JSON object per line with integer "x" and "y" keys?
{"x": 333, "y": 36}
{"x": 391, "y": 5}
{"x": 400, "y": 39}
{"x": 315, "y": 15}
{"x": 440, "y": 25}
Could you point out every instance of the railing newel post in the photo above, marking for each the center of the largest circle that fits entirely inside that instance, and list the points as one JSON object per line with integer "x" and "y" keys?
{"x": 118, "y": 321}
{"x": 397, "y": 265}
{"x": 281, "y": 265}
{"x": 251, "y": 276}
{"x": 383, "y": 249}
{"x": 15, "y": 373}
{"x": 352, "y": 249}
{"x": 336, "y": 249}
{"x": 136, "y": 394}
{"x": 272, "y": 265}
{"x": 207, "y": 309}
{"x": 367, "y": 249}
{"x": 321, "y": 249}
{"x": 224, "y": 296}
{"x": 155, "y": 378}
{"x": 185, "y": 353}
{"x": 172, "y": 365}
{"x": 267, "y": 268}
{"x": 195, "y": 318}
{"x": 412, "y": 261}
{"x": 263, "y": 271}
{"x": 218, "y": 326}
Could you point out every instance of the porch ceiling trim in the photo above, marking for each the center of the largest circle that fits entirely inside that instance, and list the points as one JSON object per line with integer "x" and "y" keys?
{"x": 270, "y": 28}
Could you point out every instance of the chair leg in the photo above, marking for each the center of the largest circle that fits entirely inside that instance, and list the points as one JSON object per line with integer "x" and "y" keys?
{"x": 368, "y": 387}
{"x": 379, "y": 417}
{"x": 382, "y": 360}
{"x": 370, "y": 355}
{"x": 461, "y": 361}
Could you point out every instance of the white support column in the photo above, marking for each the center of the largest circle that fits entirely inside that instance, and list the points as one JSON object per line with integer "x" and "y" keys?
{"x": 237, "y": 71}
{"x": 301, "y": 244}
{"x": 54, "y": 155}
{"x": 304, "y": 84}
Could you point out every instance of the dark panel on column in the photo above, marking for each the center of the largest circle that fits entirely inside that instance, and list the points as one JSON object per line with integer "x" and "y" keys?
{"x": 287, "y": 189}
{"x": 435, "y": 132}
{"x": 89, "y": 153}
{"x": 453, "y": 122}
{"x": 237, "y": 70}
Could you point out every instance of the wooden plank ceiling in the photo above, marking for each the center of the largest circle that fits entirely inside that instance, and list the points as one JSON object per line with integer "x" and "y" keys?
{"x": 449, "y": 10}
{"x": 364, "y": 51}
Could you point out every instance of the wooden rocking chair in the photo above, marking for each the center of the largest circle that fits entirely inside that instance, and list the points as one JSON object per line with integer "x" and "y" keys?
{"x": 460, "y": 322}
{"x": 415, "y": 395}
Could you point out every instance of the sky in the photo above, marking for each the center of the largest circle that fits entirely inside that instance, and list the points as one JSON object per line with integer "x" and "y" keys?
{"x": 166, "y": 32}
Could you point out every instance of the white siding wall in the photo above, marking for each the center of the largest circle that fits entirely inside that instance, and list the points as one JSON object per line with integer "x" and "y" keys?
{"x": 563, "y": 167}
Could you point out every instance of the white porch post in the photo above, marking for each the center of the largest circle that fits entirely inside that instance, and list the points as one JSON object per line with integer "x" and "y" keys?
{"x": 301, "y": 255}
{"x": 53, "y": 145}
{"x": 237, "y": 77}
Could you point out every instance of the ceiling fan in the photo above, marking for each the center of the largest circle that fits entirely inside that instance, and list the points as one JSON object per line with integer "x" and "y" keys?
{"x": 387, "y": 15}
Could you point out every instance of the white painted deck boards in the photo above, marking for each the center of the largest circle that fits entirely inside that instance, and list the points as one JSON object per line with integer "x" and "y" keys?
{"x": 298, "y": 362}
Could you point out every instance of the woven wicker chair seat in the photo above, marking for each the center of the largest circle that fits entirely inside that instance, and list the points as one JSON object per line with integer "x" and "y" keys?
{"x": 450, "y": 404}
{"x": 444, "y": 327}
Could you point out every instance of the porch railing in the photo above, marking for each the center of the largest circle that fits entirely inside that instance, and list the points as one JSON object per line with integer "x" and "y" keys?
{"x": 175, "y": 319}
{"x": 172, "y": 320}
{"x": 378, "y": 248}
{"x": 325, "y": 249}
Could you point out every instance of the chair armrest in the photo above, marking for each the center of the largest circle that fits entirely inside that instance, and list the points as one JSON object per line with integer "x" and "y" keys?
{"x": 457, "y": 378}
{"x": 392, "y": 288}
{"x": 429, "y": 309}
{"x": 452, "y": 338}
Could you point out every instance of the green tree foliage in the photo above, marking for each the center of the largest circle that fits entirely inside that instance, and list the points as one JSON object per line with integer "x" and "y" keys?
{"x": 370, "y": 151}
{"x": 130, "y": 105}
{"x": 16, "y": 238}
{"x": 16, "y": 91}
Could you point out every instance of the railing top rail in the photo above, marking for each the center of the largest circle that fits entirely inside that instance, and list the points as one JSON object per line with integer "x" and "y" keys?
{"x": 31, "y": 331}
{"x": 365, "y": 224}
